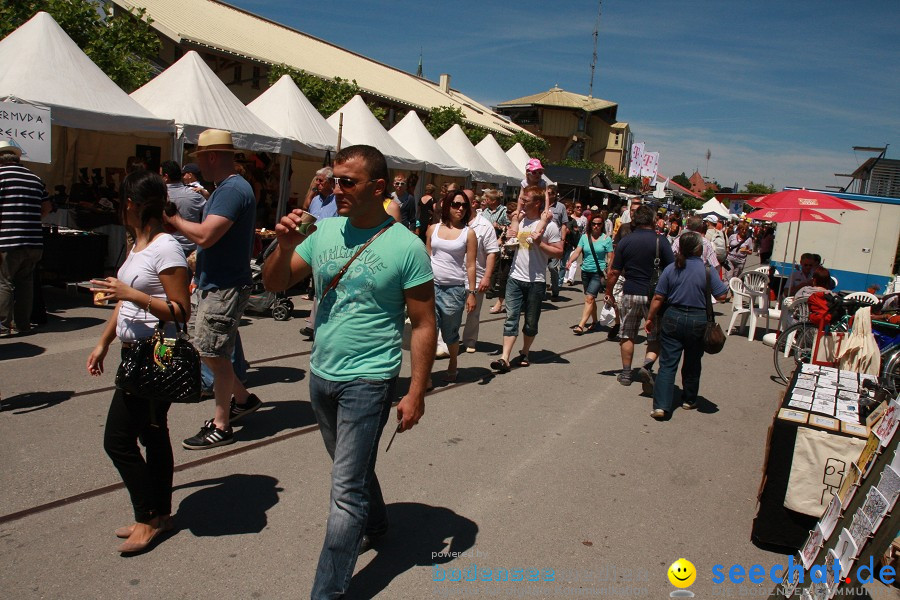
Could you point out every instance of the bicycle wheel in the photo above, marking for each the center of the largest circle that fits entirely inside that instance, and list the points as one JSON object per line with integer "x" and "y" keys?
{"x": 794, "y": 346}
{"x": 890, "y": 372}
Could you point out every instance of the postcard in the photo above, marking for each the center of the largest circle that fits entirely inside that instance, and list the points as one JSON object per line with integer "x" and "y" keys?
{"x": 846, "y": 550}
{"x": 788, "y": 586}
{"x": 847, "y": 417}
{"x": 831, "y": 582}
{"x": 810, "y": 368}
{"x": 848, "y": 487}
{"x": 824, "y": 422}
{"x": 810, "y": 549}
{"x": 874, "y": 508}
{"x": 888, "y": 425}
{"x": 855, "y": 429}
{"x": 802, "y": 392}
{"x": 800, "y": 404}
{"x": 848, "y": 396}
{"x": 889, "y": 485}
{"x": 860, "y": 528}
{"x": 830, "y": 516}
{"x": 798, "y": 416}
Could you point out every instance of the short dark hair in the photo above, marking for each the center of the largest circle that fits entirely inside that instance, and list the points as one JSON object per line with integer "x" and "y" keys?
{"x": 146, "y": 189}
{"x": 821, "y": 277}
{"x": 694, "y": 223}
{"x": 171, "y": 169}
{"x": 644, "y": 217}
{"x": 445, "y": 206}
{"x": 376, "y": 165}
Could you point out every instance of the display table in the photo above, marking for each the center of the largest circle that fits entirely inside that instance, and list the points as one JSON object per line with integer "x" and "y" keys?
{"x": 776, "y": 525}
{"x": 73, "y": 256}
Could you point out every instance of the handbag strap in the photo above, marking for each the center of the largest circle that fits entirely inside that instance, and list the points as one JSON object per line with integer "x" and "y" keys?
{"x": 181, "y": 327}
{"x": 339, "y": 274}
{"x": 590, "y": 244}
{"x": 710, "y": 317}
{"x": 656, "y": 260}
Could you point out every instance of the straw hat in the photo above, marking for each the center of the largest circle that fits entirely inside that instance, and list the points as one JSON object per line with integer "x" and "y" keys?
{"x": 214, "y": 140}
{"x": 9, "y": 147}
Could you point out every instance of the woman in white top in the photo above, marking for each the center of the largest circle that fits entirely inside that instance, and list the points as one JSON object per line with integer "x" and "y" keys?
{"x": 452, "y": 246}
{"x": 154, "y": 273}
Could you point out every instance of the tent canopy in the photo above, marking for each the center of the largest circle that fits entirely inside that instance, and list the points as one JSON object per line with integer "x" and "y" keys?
{"x": 412, "y": 135}
{"x": 361, "y": 127}
{"x": 457, "y": 145}
{"x": 284, "y": 108}
{"x": 497, "y": 158}
{"x": 714, "y": 207}
{"x": 519, "y": 157}
{"x": 44, "y": 67}
{"x": 191, "y": 94}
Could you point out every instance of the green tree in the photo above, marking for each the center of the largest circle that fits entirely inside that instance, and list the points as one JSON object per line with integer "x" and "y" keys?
{"x": 707, "y": 194}
{"x": 442, "y": 118}
{"x": 535, "y": 146}
{"x": 121, "y": 45}
{"x": 688, "y": 203}
{"x": 758, "y": 188}
{"x": 682, "y": 180}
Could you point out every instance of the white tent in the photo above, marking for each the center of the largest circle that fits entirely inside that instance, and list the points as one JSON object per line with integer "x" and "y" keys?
{"x": 284, "y": 108}
{"x": 361, "y": 126}
{"x": 714, "y": 207}
{"x": 415, "y": 139}
{"x": 458, "y": 146}
{"x": 497, "y": 158}
{"x": 519, "y": 158}
{"x": 189, "y": 92}
{"x": 43, "y": 66}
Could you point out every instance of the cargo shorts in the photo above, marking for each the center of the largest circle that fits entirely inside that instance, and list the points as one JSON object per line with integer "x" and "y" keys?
{"x": 214, "y": 324}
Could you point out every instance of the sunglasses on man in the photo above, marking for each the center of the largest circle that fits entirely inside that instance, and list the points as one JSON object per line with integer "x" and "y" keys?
{"x": 345, "y": 183}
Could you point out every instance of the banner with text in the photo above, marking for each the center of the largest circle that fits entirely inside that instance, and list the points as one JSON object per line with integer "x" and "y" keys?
{"x": 637, "y": 159}
{"x": 28, "y": 127}
{"x": 650, "y": 165}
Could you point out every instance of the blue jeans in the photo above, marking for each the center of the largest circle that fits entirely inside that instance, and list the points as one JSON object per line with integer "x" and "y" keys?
{"x": 449, "y": 306}
{"x": 554, "y": 266}
{"x": 681, "y": 331}
{"x": 354, "y": 412}
{"x": 523, "y": 296}
{"x": 238, "y": 361}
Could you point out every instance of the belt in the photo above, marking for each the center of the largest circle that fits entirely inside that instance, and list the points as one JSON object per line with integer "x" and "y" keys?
{"x": 685, "y": 307}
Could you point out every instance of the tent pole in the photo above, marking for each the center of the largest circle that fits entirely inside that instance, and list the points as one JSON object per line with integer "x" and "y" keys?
{"x": 340, "y": 131}
{"x": 284, "y": 186}
{"x": 787, "y": 240}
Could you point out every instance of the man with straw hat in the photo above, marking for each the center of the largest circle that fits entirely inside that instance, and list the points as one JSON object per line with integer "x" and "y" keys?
{"x": 224, "y": 238}
{"x": 23, "y": 200}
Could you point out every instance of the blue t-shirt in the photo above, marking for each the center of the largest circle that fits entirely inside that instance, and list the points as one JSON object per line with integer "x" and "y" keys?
{"x": 634, "y": 257}
{"x": 359, "y": 324}
{"x": 323, "y": 208}
{"x": 226, "y": 264}
{"x": 687, "y": 286}
{"x": 602, "y": 247}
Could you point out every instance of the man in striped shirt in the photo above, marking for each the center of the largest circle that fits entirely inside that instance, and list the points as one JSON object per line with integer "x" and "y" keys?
{"x": 23, "y": 200}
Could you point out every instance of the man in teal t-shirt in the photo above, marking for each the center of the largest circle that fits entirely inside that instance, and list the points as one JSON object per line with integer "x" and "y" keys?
{"x": 357, "y": 351}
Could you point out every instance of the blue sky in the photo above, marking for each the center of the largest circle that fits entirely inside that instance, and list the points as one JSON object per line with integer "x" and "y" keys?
{"x": 779, "y": 92}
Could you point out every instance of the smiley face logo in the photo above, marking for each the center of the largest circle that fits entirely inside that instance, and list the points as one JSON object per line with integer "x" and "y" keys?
{"x": 682, "y": 573}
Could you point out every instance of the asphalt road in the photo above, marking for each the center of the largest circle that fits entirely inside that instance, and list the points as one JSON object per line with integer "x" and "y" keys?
{"x": 554, "y": 467}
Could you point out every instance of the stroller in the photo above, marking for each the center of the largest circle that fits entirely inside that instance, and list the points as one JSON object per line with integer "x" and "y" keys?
{"x": 262, "y": 300}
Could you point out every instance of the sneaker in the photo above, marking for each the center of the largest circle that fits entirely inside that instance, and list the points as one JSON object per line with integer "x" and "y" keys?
{"x": 658, "y": 414}
{"x": 239, "y": 410}
{"x": 613, "y": 334}
{"x": 624, "y": 377}
{"x": 645, "y": 376}
{"x": 209, "y": 436}
{"x": 5, "y": 333}
{"x": 470, "y": 349}
{"x": 688, "y": 405}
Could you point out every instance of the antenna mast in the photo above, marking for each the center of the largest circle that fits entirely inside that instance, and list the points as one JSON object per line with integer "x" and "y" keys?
{"x": 594, "y": 60}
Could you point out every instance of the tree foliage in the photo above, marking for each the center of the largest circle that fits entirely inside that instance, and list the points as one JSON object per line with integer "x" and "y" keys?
{"x": 535, "y": 147}
{"x": 326, "y": 95}
{"x": 682, "y": 180}
{"x": 688, "y": 203}
{"x": 707, "y": 194}
{"x": 121, "y": 45}
{"x": 442, "y": 118}
{"x": 758, "y": 188}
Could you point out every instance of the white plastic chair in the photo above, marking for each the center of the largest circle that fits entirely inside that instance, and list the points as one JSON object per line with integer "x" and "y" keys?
{"x": 834, "y": 281}
{"x": 765, "y": 269}
{"x": 866, "y": 297}
{"x": 756, "y": 285}
{"x": 740, "y": 303}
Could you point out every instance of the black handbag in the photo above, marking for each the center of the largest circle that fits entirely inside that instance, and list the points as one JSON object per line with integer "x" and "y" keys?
{"x": 713, "y": 337}
{"x": 160, "y": 368}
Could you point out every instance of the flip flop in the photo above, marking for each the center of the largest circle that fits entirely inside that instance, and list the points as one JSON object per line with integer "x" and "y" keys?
{"x": 523, "y": 359}
{"x": 579, "y": 330}
{"x": 500, "y": 365}
{"x": 495, "y": 311}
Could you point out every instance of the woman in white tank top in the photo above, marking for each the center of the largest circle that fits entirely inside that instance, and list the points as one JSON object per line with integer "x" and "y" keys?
{"x": 452, "y": 247}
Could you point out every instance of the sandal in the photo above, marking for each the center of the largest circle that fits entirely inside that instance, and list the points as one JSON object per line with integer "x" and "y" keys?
{"x": 497, "y": 310}
{"x": 523, "y": 359}
{"x": 500, "y": 365}
{"x": 579, "y": 330}
{"x": 450, "y": 376}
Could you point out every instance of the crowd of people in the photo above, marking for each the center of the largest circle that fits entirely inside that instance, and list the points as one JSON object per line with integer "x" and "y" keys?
{"x": 375, "y": 257}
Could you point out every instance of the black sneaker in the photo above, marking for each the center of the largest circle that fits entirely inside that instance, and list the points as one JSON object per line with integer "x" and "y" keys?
{"x": 613, "y": 334}
{"x": 239, "y": 410}
{"x": 209, "y": 437}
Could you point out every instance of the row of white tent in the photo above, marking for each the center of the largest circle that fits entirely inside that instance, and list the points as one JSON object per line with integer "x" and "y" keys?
{"x": 44, "y": 67}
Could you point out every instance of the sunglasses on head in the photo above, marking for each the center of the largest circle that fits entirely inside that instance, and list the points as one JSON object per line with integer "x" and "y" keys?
{"x": 345, "y": 183}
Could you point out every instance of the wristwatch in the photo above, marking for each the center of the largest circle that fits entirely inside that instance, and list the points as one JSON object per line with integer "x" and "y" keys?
{"x": 471, "y": 292}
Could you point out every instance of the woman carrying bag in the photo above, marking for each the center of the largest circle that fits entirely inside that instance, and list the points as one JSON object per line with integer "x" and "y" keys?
{"x": 151, "y": 285}
{"x": 682, "y": 290}
{"x": 594, "y": 246}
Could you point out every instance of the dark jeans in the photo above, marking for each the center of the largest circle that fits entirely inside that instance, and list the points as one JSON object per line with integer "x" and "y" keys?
{"x": 149, "y": 482}
{"x": 500, "y": 276}
{"x": 17, "y": 286}
{"x": 351, "y": 417}
{"x": 681, "y": 331}
{"x": 523, "y": 296}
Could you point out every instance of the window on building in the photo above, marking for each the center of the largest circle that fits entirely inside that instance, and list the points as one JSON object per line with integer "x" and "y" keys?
{"x": 581, "y": 122}
{"x": 618, "y": 137}
{"x": 256, "y": 77}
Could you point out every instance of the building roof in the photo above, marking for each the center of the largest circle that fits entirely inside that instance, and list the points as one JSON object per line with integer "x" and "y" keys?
{"x": 559, "y": 98}
{"x": 220, "y": 26}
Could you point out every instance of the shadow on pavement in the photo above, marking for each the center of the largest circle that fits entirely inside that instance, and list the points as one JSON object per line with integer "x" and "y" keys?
{"x": 61, "y": 324}
{"x": 230, "y": 505}
{"x": 34, "y": 401}
{"x": 20, "y": 350}
{"x": 264, "y": 375}
{"x": 418, "y": 533}
{"x": 273, "y": 418}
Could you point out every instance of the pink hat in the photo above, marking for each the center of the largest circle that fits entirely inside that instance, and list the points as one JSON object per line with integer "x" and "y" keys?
{"x": 534, "y": 165}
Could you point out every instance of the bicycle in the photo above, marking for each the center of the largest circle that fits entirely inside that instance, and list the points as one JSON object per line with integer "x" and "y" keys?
{"x": 797, "y": 343}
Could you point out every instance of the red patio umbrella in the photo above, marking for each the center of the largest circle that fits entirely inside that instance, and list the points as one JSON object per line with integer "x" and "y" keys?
{"x": 803, "y": 200}
{"x": 791, "y": 215}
